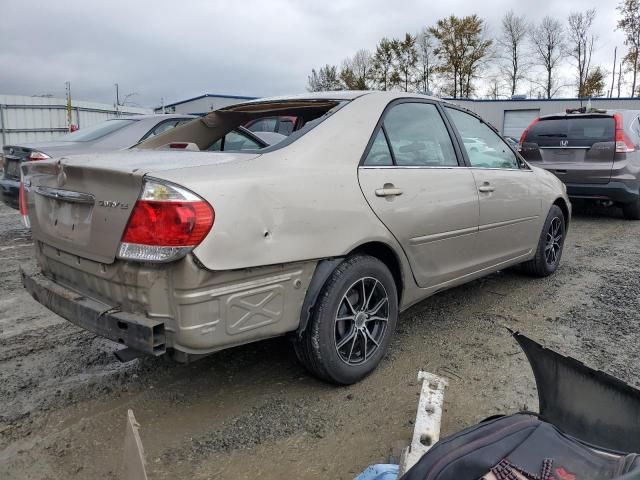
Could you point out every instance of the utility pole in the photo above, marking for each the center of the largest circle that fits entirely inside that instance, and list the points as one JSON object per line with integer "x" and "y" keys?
{"x": 69, "y": 119}
{"x": 162, "y": 102}
{"x": 613, "y": 75}
{"x": 117, "y": 99}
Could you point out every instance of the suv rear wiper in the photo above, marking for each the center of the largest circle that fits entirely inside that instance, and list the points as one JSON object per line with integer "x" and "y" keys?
{"x": 558, "y": 135}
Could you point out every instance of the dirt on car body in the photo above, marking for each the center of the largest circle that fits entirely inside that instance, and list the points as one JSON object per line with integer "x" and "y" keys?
{"x": 253, "y": 411}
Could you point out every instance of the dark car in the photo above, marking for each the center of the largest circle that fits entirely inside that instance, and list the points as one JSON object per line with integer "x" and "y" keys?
{"x": 595, "y": 153}
{"x": 114, "y": 134}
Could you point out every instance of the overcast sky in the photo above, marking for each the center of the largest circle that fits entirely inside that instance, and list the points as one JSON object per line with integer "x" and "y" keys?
{"x": 180, "y": 49}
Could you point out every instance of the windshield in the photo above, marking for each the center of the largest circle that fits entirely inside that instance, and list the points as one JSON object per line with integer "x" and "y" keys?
{"x": 577, "y": 132}
{"x": 99, "y": 130}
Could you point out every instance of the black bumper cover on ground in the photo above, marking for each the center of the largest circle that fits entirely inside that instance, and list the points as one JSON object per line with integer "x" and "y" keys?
{"x": 135, "y": 331}
{"x": 615, "y": 191}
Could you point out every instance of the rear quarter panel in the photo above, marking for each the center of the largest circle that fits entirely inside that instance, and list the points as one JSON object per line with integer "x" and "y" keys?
{"x": 297, "y": 203}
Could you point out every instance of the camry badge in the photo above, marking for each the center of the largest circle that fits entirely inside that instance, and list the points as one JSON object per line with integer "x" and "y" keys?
{"x": 113, "y": 204}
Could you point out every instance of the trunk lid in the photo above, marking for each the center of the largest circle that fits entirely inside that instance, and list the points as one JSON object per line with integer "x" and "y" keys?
{"x": 81, "y": 205}
{"x": 577, "y": 148}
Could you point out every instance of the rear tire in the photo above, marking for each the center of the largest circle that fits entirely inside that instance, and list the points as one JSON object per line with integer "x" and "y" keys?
{"x": 352, "y": 322}
{"x": 631, "y": 210}
{"x": 550, "y": 245}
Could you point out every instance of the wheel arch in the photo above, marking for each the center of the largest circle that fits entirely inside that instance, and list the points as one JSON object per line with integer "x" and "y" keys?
{"x": 562, "y": 204}
{"x": 325, "y": 268}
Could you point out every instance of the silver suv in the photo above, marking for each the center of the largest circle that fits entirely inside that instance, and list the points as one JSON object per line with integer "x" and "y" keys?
{"x": 594, "y": 152}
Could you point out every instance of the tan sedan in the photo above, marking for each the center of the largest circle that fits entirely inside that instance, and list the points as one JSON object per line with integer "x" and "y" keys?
{"x": 209, "y": 237}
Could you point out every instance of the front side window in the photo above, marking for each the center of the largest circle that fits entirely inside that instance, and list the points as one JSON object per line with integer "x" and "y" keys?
{"x": 484, "y": 147}
{"x": 418, "y": 136}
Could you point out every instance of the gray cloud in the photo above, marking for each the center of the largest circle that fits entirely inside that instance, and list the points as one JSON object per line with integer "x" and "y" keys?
{"x": 179, "y": 49}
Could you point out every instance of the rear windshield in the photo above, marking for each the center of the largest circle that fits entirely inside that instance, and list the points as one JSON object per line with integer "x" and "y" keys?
{"x": 88, "y": 134}
{"x": 572, "y": 132}
{"x": 224, "y": 129}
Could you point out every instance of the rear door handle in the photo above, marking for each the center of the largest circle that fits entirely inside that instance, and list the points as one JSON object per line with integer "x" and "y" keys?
{"x": 388, "y": 192}
{"x": 486, "y": 188}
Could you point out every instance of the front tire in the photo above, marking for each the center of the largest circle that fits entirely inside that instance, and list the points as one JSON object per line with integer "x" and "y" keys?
{"x": 352, "y": 322}
{"x": 550, "y": 245}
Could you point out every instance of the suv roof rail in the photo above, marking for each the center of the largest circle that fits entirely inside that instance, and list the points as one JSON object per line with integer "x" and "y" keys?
{"x": 570, "y": 111}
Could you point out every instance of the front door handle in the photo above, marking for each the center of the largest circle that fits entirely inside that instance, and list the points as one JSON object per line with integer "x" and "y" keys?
{"x": 388, "y": 191}
{"x": 486, "y": 188}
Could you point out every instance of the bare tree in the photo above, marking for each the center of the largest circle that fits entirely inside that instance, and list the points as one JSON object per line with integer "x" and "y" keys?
{"x": 383, "y": 64}
{"x": 511, "y": 48}
{"x": 462, "y": 48}
{"x": 405, "y": 60}
{"x": 325, "y": 79}
{"x": 581, "y": 43}
{"x": 427, "y": 62}
{"x": 629, "y": 23}
{"x": 356, "y": 71}
{"x": 548, "y": 43}
{"x": 496, "y": 88}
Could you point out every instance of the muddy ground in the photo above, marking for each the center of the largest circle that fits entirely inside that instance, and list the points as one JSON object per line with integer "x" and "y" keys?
{"x": 252, "y": 412}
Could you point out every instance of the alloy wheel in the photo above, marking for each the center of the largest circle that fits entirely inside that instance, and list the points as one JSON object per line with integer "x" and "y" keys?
{"x": 553, "y": 243}
{"x": 361, "y": 321}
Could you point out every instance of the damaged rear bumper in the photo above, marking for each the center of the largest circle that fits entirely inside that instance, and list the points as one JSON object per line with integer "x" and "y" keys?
{"x": 135, "y": 331}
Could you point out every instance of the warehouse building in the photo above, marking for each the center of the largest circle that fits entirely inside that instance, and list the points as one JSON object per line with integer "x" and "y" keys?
{"x": 512, "y": 117}
{"x": 203, "y": 104}
{"x": 31, "y": 119}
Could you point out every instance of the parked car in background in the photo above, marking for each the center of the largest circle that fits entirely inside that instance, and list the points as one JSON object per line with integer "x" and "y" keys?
{"x": 114, "y": 134}
{"x": 373, "y": 205}
{"x": 595, "y": 154}
{"x": 512, "y": 141}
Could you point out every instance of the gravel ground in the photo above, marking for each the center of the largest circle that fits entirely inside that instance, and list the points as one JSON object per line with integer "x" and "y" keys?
{"x": 252, "y": 411}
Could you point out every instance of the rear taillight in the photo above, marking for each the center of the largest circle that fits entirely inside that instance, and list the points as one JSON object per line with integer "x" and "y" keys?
{"x": 623, "y": 142}
{"x": 526, "y": 131}
{"x": 37, "y": 156}
{"x": 22, "y": 200}
{"x": 166, "y": 223}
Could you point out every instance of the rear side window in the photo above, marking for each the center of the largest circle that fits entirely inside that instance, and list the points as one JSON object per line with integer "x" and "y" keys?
{"x": 572, "y": 132}
{"x": 379, "y": 155}
{"x": 418, "y": 136}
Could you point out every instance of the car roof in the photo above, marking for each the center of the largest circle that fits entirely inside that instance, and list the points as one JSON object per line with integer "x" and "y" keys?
{"x": 337, "y": 95}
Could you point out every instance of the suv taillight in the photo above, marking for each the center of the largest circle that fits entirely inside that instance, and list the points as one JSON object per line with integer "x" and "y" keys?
{"x": 526, "y": 131}
{"x": 166, "y": 223}
{"x": 22, "y": 200}
{"x": 623, "y": 142}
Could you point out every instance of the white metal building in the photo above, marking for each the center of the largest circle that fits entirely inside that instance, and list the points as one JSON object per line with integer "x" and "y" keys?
{"x": 512, "y": 117}
{"x": 31, "y": 119}
{"x": 203, "y": 104}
